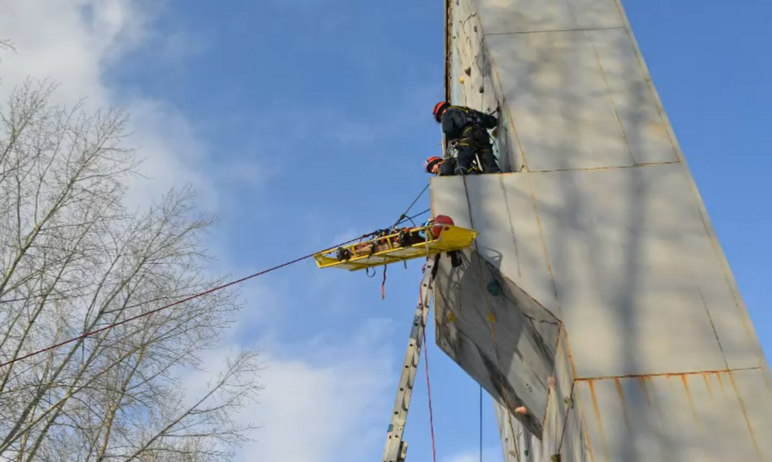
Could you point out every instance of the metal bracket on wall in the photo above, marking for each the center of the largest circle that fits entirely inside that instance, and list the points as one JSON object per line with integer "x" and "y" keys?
{"x": 395, "y": 449}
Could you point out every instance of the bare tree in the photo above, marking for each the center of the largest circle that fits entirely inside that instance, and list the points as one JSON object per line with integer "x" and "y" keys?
{"x": 73, "y": 259}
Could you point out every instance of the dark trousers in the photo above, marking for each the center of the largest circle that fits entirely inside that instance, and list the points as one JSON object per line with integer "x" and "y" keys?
{"x": 466, "y": 152}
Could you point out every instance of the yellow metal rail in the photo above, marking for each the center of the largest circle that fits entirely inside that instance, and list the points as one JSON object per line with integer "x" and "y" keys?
{"x": 384, "y": 250}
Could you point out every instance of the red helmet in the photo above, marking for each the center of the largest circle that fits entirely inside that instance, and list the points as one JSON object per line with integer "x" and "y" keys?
{"x": 438, "y": 221}
{"x": 431, "y": 162}
{"x": 439, "y": 109}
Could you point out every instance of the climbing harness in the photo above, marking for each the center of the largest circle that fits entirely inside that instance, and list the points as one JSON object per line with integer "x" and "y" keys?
{"x": 475, "y": 167}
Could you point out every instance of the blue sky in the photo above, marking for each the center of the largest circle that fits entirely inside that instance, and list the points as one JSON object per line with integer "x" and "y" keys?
{"x": 306, "y": 122}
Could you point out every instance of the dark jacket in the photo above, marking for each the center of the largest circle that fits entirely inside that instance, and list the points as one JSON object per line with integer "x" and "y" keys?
{"x": 463, "y": 123}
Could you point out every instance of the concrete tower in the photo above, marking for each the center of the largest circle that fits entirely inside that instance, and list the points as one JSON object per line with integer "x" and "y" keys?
{"x": 596, "y": 296}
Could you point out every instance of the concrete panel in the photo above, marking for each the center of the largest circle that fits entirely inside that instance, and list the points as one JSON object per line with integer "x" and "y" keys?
{"x": 503, "y": 339}
{"x": 558, "y": 101}
{"x": 515, "y": 16}
{"x": 560, "y": 403}
{"x": 639, "y": 286}
{"x": 448, "y": 197}
{"x": 622, "y": 253}
{"x": 595, "y": 14}
{"x": 665, "y": 418}
{"x": 520, "y": 16}
{"x": 510, "y": 443}
{"x": 503, "y": 206}
{"x": 645, "y": 129}
{"x": 754, "y": 388}
{"x": 573, "y": 446}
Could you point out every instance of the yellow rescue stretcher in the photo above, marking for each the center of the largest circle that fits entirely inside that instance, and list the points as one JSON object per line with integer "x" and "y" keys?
{"x": 405, "y": 244}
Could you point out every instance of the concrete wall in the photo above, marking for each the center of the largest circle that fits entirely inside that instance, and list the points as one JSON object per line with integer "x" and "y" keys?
{"x": 598, "y": 235}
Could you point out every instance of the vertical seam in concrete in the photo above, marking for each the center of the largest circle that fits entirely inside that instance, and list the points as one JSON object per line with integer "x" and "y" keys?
{"x": 569, "y": 355}
{"x": 559, "y": 447}
{"x": 647, "y": 78}
{"x": 511, "y": 226}
{"x": 570, "y": 365}
{"x": 610, "y": 96}
{"x": 544, "y": 246}
{"x": 495, "y": 80}
{"x": 571, "y": 11}
{"x": 583, "y": 428}
{"x": 713, "y": 326}
{"x": 740, "y": 311}
{"x": 745, "y": 414}
{"x": 514, "y": 436}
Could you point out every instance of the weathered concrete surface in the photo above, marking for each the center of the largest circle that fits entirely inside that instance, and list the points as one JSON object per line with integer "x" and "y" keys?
{"x": 481, "y": 339}
{"x": 598, "y": 231}
{"x": 563, "y": 429}
{"x": 670, "y": 418}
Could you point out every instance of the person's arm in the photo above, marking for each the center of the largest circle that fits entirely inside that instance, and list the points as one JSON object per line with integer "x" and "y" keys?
{"x": 448, "y": 167}
{"x": 453, "y": 122}
{"x": 488, "y": 121}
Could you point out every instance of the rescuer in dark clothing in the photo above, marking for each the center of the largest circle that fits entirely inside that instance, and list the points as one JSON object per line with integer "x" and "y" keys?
{"x": 465, "y": 131}
{"x": 440, "y": 166}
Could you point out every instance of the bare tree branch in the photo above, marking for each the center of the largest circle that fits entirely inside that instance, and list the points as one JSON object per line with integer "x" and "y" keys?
{"x": 72, "y": 259}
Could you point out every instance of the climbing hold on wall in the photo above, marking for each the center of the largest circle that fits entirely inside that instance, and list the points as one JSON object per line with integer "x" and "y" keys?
{"x": 468, "y": 71}
{"x": 461, "y": 80}
{"x": 555, "y": 458}
{"x": 494, "y": 288}
{"x": 451, "y": 317}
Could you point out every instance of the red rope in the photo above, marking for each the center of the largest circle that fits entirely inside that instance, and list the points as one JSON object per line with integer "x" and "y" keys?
{"x": 429, "y": 393}
{"x": 428, "y": 384}
{"x": 178, "y": 302}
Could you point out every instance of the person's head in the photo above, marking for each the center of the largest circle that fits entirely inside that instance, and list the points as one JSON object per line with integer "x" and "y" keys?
{"x": 432, "y": 164}
{"x": 440, "y": 109}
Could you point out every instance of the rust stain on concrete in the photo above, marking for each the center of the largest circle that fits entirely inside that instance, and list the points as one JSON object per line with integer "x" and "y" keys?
{"x": 618, "y": 385}
{"x": 599, "y": 419}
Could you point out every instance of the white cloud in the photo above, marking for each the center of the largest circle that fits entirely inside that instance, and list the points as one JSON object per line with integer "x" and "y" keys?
{"x": 319, "y": 413}
{"x": 323, "y": 398}
{"x": 73, "y": 43}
